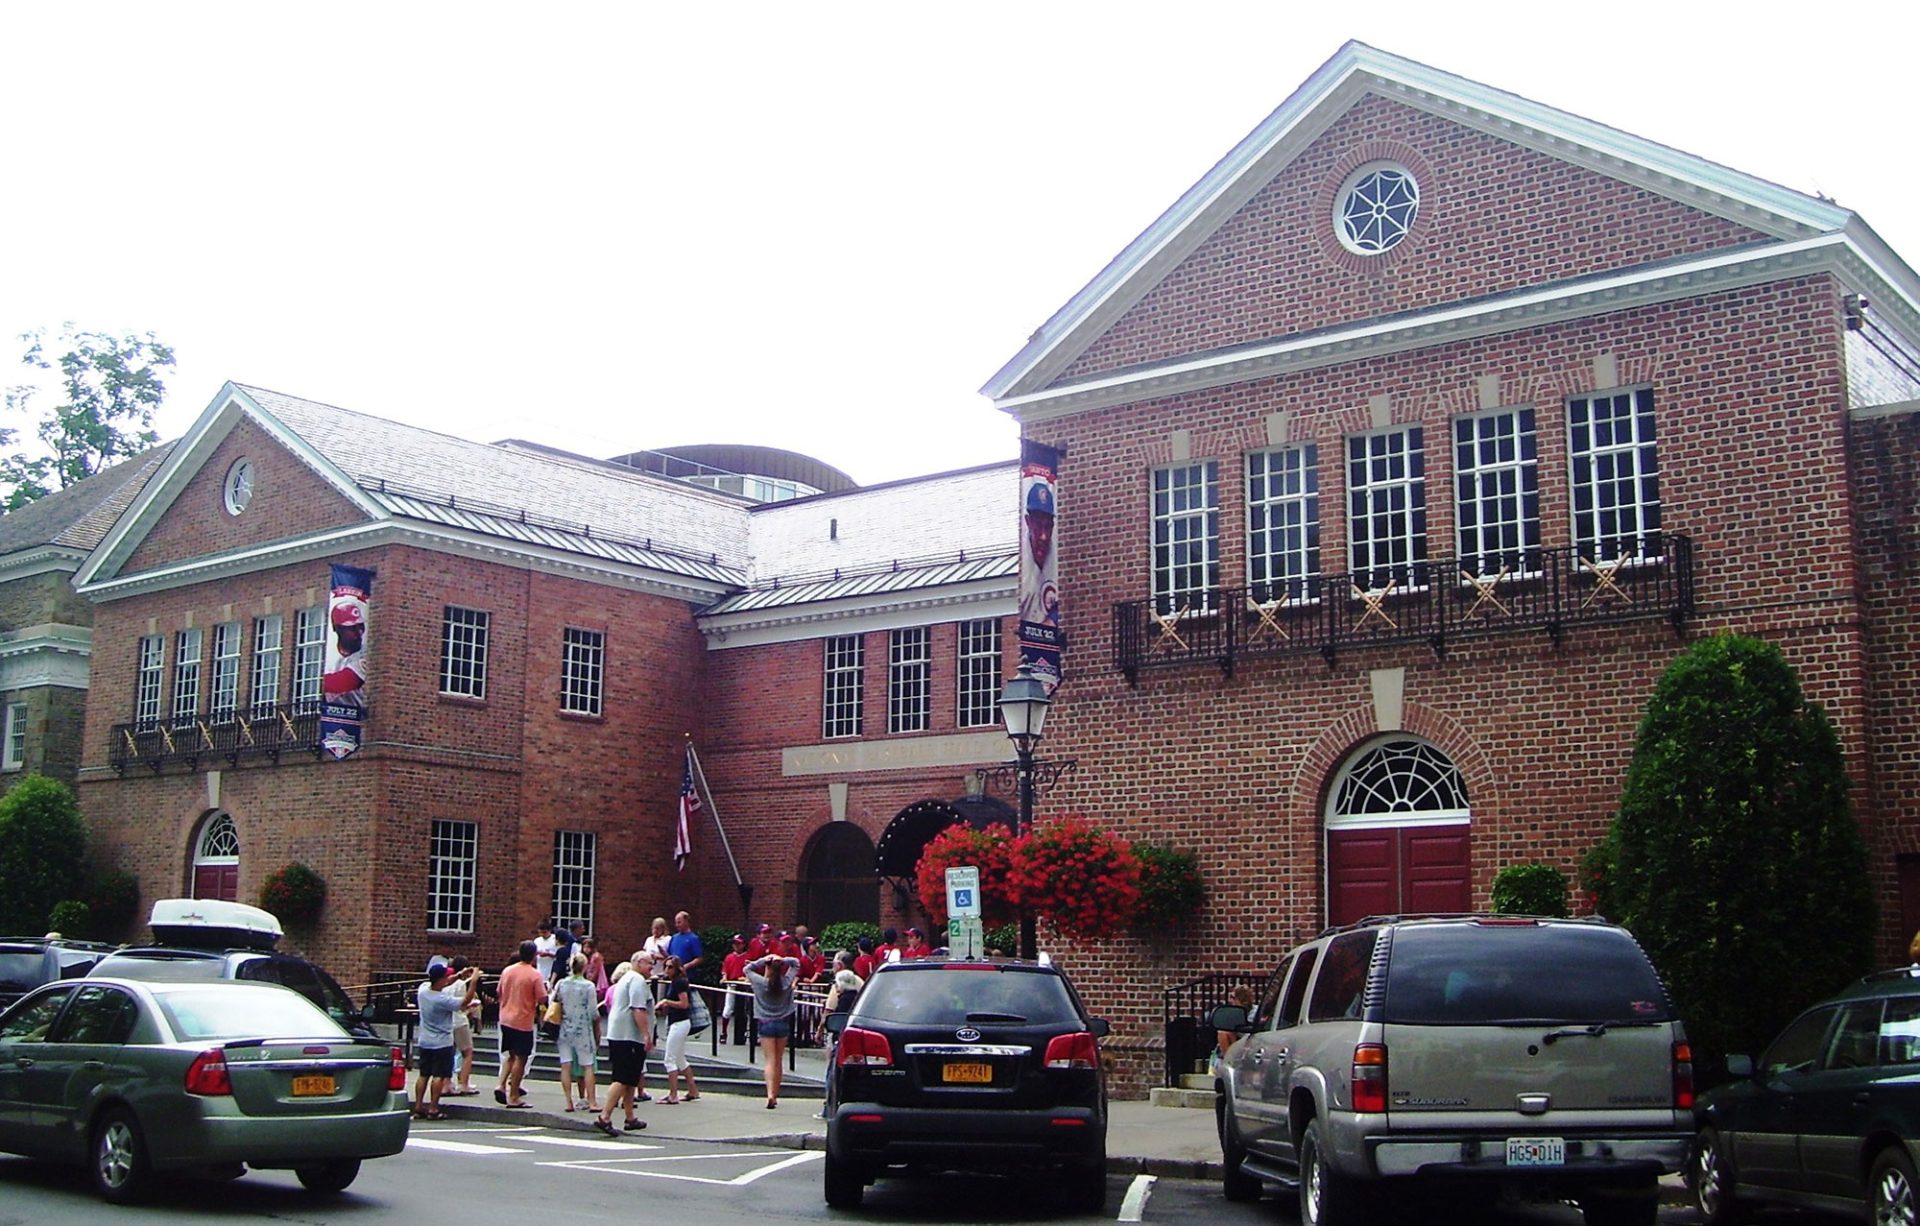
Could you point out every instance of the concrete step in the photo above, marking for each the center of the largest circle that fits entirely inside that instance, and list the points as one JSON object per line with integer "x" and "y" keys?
{"x": 1181, "y": 1096}
{"x": 1197, "y": 1081}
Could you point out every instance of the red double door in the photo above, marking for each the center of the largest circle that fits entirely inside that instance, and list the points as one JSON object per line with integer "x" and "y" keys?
{"x": 221, "y": 881}
{"x": 1394, "y": 870}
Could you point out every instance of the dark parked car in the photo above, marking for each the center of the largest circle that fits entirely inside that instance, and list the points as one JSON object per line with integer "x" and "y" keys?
{"x": 136, "y": 1079}
{"x": 28, "y": 962}
{"x": 968, "y": 1065}
{"x": 1827, "y": 1119}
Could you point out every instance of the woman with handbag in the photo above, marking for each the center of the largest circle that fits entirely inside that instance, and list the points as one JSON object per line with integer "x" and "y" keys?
{"x": 579, "y": 1043}
{"x": 677, "y": 1005}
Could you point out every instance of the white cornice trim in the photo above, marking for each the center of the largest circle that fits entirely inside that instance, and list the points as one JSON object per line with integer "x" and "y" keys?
{"x": 1831, "y": 253}
{"x": 894, "y": 753}
{"x": 925, "y": 607}
{"x": 39, "y": 560}
{"x": 47, "y": 655}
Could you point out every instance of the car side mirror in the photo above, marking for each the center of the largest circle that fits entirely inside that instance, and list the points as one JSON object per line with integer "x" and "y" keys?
{"x": 1227, "y": 1017}
{"x": 1098, "y": 1027}
{"x": 1740, "y": 1066}
{"x": 836, "y": 1022}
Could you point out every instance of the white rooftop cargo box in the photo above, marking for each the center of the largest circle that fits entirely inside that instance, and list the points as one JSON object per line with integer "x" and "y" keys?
{"x": 208, "y": 923}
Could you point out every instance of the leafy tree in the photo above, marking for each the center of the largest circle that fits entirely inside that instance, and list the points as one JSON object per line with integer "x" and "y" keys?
{"x": 1530, "y": 889}
{"x": 1735, "y": 858}
{"x": 43, "y": 843}
{"x": 112, "y": 386}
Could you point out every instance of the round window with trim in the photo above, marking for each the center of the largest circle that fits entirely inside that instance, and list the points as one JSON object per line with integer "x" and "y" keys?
{"x": 239, "y": 486}
{"x": 1375, "y": 208}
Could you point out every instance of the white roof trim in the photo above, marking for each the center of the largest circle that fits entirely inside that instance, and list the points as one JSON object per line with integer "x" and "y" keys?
{"x": 1833, "y": 253}
{"x": 1355, "y": 70}
{"x": 923, "y": 607}
{"x": 38, "y": 560}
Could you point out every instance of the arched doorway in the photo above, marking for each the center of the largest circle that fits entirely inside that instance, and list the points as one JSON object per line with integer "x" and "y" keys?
{"x": 1398, "y": 828}
{"x": 837, "y": 882}
{"x": 216, "y": 859}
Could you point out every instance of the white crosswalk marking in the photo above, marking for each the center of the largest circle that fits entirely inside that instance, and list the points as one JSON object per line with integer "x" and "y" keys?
{"x": 416, "y": 1141}
{"x": 652, "y": 1168}
{"x": 588, "y": 1143}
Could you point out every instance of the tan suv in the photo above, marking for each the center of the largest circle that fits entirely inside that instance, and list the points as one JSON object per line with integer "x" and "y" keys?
{"x": 1474, "y": 1055}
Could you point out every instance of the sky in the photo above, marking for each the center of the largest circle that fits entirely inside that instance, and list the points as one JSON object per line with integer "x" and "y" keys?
{"x": 606, "y": 227}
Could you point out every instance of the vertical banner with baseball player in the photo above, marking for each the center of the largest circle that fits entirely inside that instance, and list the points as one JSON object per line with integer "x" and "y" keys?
{"x": 343, "y": 675}
{"x": 1041, "y": 638}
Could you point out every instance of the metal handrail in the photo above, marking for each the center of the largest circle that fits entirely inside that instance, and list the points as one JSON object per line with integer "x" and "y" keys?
{"x": 1184, "y": 1008}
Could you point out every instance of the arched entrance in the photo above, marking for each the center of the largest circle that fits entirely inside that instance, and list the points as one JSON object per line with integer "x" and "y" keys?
{"x": 837, "y": 883}
{"x": 216, "y": 859}
{"x": 1398, "y": 832}
{"x": 907, "y": 835}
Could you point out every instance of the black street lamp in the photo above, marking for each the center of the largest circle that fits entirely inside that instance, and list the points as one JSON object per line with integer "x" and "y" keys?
{"x": 1023, "y": 705}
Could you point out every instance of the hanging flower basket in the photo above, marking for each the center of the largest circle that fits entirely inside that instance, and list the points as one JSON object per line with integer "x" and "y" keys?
{"x": 986, "y": 849}
{"x": 295, "y": 894}
{"x": 1083, "y": 878}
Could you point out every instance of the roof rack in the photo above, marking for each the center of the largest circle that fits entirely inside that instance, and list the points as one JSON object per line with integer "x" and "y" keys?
{"x": 1374, "y": 921}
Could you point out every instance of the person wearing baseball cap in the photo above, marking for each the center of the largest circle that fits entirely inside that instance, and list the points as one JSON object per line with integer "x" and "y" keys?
{"x": 439, "y": 998}
{"x": 346, "y": 673}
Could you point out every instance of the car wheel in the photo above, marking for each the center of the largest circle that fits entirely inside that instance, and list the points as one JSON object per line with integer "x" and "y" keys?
{"x": 845, "y": 1185}
{"x": 1891, "y": 1190}
{"x": 1235, "y": 1183}
{"x": 329, "y": 1177}
{"x": 1634, "y": 1205}
{"x": 119, "y": 1165}
{"x": 1710, "y": 1176}
{"x": 1327, "y": 1198}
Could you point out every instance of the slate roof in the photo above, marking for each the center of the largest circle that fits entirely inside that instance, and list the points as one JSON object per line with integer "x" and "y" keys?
{"x": 971, "y": 511}
{"x": 78, "y": 516}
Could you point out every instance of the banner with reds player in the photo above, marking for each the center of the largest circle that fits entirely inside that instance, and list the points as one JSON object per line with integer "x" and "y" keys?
{"x": 1041, "y": 638}
{"x": 343, "y": 674}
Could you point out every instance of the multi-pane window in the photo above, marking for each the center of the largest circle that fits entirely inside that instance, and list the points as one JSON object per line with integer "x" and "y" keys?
{"x": 1387, "y": 508}
{"x": 309, "y": 657}
{"x": 583, "y": 658}
{"x": 1616, "y": 476}
{"x": 452, "y": 868}
{"x": 263, "y": 683}
{"x": 845, "y": 675}
{"x": 1186, "y": 537}
{"x": 224, "y": 694}
{"x": 186, "y": 677}
{"x": 909, "y": 679}
{"x": 1496, "y": 474}
{"x": 463, "y": 652}
{"x": 978, "y": 674}
{"x": 16, "y": 737}
{"x": 1283, "y": 522}
{"x": 149, "y": 679}
{"x": 573, "y": 862}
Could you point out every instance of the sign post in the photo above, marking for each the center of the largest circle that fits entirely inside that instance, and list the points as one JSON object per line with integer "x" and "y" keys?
{"x": 966, "y": 935}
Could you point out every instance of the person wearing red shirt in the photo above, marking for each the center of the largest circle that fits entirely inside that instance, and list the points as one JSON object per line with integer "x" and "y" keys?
{"x": 762, "y": 943}
{"x": 733, "y": 975}
{"x": 917, "y": 946}
{"x": 865, "y": 961}
{"x": 883, "y": 952}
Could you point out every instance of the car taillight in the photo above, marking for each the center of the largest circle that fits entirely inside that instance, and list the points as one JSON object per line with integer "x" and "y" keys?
{"x": 208, "y": 1074}
{"x": 397, "y": 1072}
{"x": 1683, "y": 1076}
{"x": 1073, "y": 1051}
{"x": 1370, "y": 1077}
{"x": 865, "y": 1047}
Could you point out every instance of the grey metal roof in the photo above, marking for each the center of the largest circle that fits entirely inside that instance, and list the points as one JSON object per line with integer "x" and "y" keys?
{"x": 907, "y": 576}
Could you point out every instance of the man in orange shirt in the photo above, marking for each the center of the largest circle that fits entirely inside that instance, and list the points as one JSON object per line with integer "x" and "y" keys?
{"x": 522, "y": 992}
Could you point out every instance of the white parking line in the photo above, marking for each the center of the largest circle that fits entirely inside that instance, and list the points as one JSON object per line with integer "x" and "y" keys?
{"x": 459, "y": 1147}
{"x": 652, "y": 1170}
{"x": 589, "y": 1143}
{"x": 1134, "y": 1207}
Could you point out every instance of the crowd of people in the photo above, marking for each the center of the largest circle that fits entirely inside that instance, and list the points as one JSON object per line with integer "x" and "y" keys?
{"x": 778, "y": 985}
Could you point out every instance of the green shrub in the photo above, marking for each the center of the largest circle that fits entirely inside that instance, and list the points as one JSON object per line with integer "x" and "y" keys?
{"x": 715, "y": 944}
{"x": 1734, "y": 857}
{"x": 70, "y": 918}
{"x": 1005, "y": 938}
{"x": 1530, "y": 889}
{"x": 43, "y": 852}
{"x": 1170, "y": 887}
{"x": 113, "y": 901}
{"x": 846, "y": 935}
{"x": 294, "y": 893}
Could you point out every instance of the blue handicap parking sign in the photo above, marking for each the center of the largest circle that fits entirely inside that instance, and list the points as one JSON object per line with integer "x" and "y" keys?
{"x": 963, "y": 898}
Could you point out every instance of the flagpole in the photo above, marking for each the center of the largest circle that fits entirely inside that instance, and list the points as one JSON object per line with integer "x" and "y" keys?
{"x": 700, "y": 773}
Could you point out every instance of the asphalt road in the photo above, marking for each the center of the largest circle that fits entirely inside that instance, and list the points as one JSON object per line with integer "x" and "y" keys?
{"x": 538, "y": 1174}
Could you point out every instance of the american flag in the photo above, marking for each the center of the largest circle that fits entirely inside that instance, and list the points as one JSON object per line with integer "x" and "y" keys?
{"x": 689, "y": 805}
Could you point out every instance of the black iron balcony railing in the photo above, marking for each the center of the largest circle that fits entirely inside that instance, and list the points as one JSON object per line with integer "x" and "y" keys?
{"x": 227, "y": 738}
{"x": 1436, "y": 602}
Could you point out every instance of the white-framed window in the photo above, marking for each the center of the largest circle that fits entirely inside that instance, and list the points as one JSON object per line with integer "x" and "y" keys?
{"x": 309, "y": 658}
{"x": 978, "y": 673}
{"x": 263, "y": 681}
{"x": 583, "y": 658}
{"x": 574, "y": 852}
{"x": 149, "y": 680}
{"x": 463, "y": 652}
{"x": 1616, "y": 476}
{"x": 453, "y": 864}
{"x": 1497, "y": 480}
{"x": 1375, "y": 208}
{"x": 1387, "y": 508}
{"x": 224, "y": 694}
{"x": 910, "y": 679}
{"x": 16, "y": 737}
{"x": 1283, "y": 522}
{"x": 1186, "y": 537}
{"x": 186, "y": 677}
{"x": 845, "y": 677}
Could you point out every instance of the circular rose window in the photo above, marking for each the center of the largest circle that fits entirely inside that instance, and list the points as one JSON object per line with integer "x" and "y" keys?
{"x": 1375, "y": 208}
{"x": 239, "y": 486}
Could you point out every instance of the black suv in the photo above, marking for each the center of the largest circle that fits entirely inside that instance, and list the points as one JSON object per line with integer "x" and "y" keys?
{"x": 150, "y": 962}
{"x": 28, "y": 962}
{"x": 967, "y": 1065}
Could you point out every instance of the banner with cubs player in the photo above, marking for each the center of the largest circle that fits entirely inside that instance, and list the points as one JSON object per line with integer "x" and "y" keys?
{"x": 1041, "y": 638}
{"x": 343, "y": 675}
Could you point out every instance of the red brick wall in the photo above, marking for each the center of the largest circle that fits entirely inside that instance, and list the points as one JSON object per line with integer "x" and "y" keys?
{"x": 1493, "y": 217}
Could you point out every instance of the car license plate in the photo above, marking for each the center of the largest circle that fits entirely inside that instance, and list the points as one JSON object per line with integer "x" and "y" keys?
{"x": 971, "y": 1074}
{"x": 1536, "y": 1151}
{"x": 312, "y": 1087}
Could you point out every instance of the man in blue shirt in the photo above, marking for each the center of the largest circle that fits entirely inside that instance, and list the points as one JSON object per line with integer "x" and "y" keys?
{"x": 440, "y": 997}
{"x": 685, "y": 944}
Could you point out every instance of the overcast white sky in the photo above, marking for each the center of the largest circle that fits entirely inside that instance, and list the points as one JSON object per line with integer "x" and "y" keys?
{"x": 814, "y": 226}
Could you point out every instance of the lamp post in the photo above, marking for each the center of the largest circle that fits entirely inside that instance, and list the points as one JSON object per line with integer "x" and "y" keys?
{"x": 1023, "y": 706}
